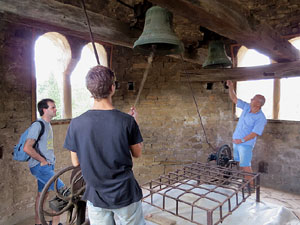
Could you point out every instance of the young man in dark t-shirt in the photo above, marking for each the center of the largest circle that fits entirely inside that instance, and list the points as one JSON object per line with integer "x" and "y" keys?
{"x": 103, "y": 141}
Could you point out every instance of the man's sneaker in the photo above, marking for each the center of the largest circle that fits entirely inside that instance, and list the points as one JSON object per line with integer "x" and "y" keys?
{"x": 58, "y": 204}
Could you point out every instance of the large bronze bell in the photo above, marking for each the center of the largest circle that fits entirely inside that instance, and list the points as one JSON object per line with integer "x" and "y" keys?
{"x": 217, "y": 57}
{"x": 158, "y": 35}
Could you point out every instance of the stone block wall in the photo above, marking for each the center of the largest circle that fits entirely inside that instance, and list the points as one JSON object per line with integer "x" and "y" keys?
{"x": 16, "y": 185}
{"x": 18, "y": 188}
{"x": 167, "y": 114}
{"x": 278, "y": 151}
{"x": 280, "y": 14}
{"x": 168, "y": 119}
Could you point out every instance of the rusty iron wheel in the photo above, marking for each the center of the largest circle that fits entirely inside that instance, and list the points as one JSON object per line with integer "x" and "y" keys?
{"x": 72, "y": 199}
{"x": 223, "y": 156}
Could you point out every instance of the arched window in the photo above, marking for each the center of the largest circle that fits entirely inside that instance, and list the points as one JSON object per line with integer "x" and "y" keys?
{"x": 52, "y": 56}
{"x": 280, "y": 93}
{"x": 81, "y": 97}
{"x": 54, "y": 71}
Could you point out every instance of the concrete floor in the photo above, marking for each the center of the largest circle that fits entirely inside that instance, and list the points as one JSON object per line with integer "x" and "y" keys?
{"x": 290, "y": 201}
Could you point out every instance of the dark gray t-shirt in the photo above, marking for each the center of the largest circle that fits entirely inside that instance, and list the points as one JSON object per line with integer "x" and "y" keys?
{"x": 45, "y": 144}
{"x": 101, "y": 139}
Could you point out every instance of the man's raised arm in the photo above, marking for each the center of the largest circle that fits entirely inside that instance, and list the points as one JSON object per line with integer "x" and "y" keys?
{"x": 232, "y": 93}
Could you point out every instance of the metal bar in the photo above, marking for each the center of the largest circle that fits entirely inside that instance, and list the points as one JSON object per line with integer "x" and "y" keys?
{"x": 209, "y": 218}
{"x": 200, "y": 181}
{"x": 257, "y": 183}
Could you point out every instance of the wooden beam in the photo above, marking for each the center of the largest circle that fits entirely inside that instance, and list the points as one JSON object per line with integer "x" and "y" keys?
{"x": 230, "y": 19}
{"x": 68, "y": 19}
{"x": 276, "y": 99}
{"x": 276, "y": 70}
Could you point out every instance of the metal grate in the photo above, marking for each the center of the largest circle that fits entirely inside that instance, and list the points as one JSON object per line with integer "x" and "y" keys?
{"x": 201, "y": 193}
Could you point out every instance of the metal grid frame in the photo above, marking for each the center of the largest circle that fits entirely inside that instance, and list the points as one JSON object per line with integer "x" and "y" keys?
{"x": 191, "y": 178}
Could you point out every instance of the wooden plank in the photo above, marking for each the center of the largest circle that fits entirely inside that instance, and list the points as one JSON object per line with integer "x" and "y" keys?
{"x": 160, "y": 220}
{"x": 276, "y": 99}
{"x": 276, "y": 70}
{"x": 230, "y": 19}
{"x": 68, "y": 19}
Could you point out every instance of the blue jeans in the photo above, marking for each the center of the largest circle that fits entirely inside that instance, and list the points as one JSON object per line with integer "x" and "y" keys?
{"x": 129, "y": 215}
{"x": 43, "y": 174}
{"x": 242, "y": 154}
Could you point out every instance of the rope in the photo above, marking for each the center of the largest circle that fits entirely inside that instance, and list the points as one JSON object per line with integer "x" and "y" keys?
{"x": 150, "y": 59}
{"x": 196, "y": 104}
{"x": 90, "y": 31}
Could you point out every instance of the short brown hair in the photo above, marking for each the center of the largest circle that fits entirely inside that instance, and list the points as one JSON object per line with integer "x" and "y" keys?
{"x": 99, "y": 81}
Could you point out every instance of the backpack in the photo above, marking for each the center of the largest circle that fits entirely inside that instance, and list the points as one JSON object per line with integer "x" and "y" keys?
{"x": 19, "y": 154}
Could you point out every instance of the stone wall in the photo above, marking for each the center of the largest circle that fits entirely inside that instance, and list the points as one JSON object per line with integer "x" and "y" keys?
{"x": 168, "y": 120}
{"x": 16, "y": 185}
{"x": 167, "y": 114}
{"x": 278, "y": 153}
{"x": 282, "y": 15}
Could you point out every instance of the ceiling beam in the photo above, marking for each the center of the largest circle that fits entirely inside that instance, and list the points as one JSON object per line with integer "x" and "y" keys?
{"x": 275, "y": 70}
{"x": 230, "y": 19}
{"x": 67, "y": 19}
{"x": 70, "y": 20}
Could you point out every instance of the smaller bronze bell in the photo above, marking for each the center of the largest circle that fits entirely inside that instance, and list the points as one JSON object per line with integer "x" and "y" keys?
{"x": 158, "y": 35}
{"x": 217, "y": 57}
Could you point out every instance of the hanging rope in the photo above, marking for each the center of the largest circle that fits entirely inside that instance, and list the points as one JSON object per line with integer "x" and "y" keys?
{"x": 150, "y": 59}
{"x": 197, "y": 108}
{"x": 91, "y": 34}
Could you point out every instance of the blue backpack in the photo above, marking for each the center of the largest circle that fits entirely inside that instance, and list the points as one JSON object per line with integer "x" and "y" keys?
{"x": 19, "y": 154}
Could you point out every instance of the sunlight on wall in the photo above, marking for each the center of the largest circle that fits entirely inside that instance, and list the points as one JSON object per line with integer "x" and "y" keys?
{"x": 247, "y": 89}
{"x": 52, "y": 55}
{"x": 289, "y": 87}
{"x": 81, "y": 97}
{"x": 251, "y": 57}
{"x": 289, "y": 103}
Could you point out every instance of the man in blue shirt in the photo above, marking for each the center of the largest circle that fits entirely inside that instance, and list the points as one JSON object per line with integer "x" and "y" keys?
{"x": 251, "y": 124}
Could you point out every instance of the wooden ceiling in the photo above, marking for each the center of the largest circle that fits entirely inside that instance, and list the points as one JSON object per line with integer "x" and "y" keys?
{"x": 228, "y": 18}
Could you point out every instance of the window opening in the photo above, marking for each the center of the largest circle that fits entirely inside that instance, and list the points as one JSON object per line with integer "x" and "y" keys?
{"x": 289, "y": 91}
{"x": 280, "y": 93}
{"x": 247, "y": 89}
{"x": 81, "y": 97}
{"x": 52, "y": 56}
{"x": 130, "y": 86}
